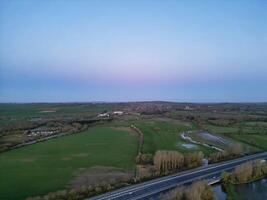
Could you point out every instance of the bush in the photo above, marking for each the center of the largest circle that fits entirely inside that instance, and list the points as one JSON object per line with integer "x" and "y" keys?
{"x": 232, "y": 151}
{"x": 80, "y": 193}
{"x": 246, "y": 172}
{"x": 194, "y": 160}
{"x": 144, "y": 159}
{"x": 197, "y": 191}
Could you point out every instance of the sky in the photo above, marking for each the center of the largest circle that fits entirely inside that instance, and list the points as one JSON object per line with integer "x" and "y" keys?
{"x": 111, "y": 50}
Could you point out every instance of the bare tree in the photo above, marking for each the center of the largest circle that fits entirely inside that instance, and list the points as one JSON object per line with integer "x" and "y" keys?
{"x": 167, "y": 161}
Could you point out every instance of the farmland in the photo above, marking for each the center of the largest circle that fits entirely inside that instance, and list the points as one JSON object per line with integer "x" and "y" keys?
{"x": 97, "y": 143}
{"x": 255, "y": 136}
{"x": 166, "y": 135}
{"x": 49, "y": 166}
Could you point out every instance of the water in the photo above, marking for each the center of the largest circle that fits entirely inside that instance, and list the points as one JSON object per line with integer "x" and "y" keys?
{"x": 189, "y": 146}
{"x": 213, "y": 138}
{"x": 256, "y": 191}
{"x": 220, "y": 194}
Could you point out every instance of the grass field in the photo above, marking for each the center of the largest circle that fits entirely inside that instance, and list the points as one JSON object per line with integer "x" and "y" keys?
{"x": 259, "y": 141}
{"x": 248, "y": 136}
{"x": 221, "y": 129}
{"x": 165, "y": 135}
{"x": 49, "y": 166}
{"x": 13, "y": 113}
{"x": 259, "y": 124}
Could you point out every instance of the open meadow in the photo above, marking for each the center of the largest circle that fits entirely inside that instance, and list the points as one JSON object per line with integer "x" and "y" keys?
{"x": 48, "y": 166}
{"x": 166, "y": 134}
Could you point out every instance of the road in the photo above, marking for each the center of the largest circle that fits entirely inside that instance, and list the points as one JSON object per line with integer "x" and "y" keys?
{"x": 154, "y": 187}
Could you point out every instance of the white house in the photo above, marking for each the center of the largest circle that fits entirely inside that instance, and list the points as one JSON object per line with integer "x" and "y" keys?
{"x": 188, "y": 108}
{"x": 103, "y": 115}
{"x": 117, "y": 113}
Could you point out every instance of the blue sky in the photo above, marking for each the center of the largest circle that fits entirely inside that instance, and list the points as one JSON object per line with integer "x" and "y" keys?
{"x": 105, "y": 50}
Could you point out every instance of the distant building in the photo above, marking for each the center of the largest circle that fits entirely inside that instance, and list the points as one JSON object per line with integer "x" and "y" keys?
{"x": 103, "y": 115}
{"x": 41, "y": 132}
{"x": 34, "y": 119}
{"x": 188, "y": 108}
{"x": 118, "y": 113}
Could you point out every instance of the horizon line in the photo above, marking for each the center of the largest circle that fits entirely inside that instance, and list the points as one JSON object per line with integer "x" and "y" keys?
{"x": 139, "y": 101}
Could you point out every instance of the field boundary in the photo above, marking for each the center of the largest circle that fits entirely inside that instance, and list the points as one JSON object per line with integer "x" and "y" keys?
{"x": 141, "y": 138}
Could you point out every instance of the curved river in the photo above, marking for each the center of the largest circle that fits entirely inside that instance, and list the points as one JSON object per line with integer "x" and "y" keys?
{"x": 256, "y": 191}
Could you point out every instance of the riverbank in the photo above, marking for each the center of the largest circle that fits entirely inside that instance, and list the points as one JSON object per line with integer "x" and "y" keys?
{"x": 245, "y": 174}
{"x": 186, "y": 137}
{"x": 256, "y": 190}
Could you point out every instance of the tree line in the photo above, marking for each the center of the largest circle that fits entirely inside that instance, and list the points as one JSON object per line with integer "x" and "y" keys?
{"x": 166, "y": 162}
{"x": 246, "y": 172}
{"x": 234, "y": 150}
{"x": 197, "y": 191}
{"x": 171, "y": 161}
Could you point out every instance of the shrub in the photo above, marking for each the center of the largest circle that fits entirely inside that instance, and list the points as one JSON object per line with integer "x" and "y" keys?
{"x": 197, "y": 191}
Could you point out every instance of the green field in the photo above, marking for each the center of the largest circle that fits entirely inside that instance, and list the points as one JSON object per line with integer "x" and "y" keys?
{"x": 257, "y": 124}
{"x": 259, "y": 141}
{"x": 221, "y": 129}
{"x": 111, "y": 145}
{"x": 249, "y": 136}
{"x": 165, "y": 135}
{"x": 49, "y": 166}
{"x": 16, "y": 113}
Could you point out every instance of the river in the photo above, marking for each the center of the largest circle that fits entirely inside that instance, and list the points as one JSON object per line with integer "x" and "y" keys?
{"x": 256, "y": 191}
